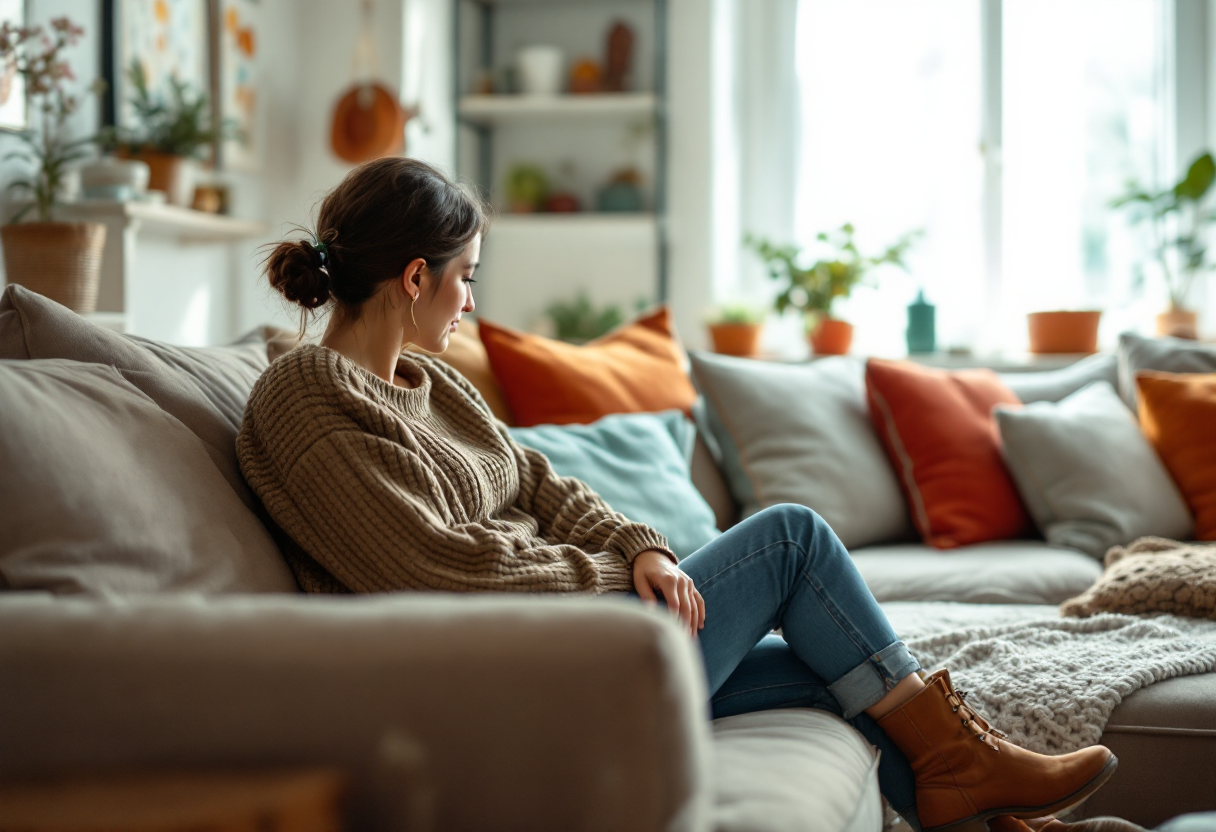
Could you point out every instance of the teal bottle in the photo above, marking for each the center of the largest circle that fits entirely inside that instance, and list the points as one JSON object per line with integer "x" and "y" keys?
{"x": 922, "y": 325}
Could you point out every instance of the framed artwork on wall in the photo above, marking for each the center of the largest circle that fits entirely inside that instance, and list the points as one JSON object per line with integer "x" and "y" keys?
{"x": 234, "y": 51}
{"x": 14, "y": 114}
{"x": 168, "y": 38}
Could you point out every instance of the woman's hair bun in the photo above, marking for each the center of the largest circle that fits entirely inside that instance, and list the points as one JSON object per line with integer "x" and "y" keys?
{"x": 297, "y": 271}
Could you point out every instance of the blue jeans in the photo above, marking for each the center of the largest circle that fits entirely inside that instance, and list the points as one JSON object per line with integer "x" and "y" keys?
{"x": 784, "y": 567}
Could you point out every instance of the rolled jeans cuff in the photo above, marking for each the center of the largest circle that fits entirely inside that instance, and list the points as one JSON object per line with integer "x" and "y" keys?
{"x": 870, "y": 681}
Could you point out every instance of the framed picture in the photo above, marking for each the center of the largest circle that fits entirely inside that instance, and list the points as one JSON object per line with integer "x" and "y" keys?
{"x": 14, "y": 114}
{"x": 234, "y": 79}
{"x": 168, "y": 38}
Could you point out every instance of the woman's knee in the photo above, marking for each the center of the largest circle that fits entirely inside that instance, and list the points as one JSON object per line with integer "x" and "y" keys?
{"x": 799, "y": 520}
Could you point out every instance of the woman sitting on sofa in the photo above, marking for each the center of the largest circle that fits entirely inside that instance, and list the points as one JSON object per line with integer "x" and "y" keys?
{"x": 390, "y": 473}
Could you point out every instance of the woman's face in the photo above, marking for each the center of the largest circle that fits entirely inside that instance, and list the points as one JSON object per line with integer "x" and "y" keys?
{"x": 438, "y": 311}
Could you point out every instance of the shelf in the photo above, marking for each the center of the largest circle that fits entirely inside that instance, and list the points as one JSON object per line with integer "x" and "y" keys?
{"x": 1001, "y": 363}
{"x": 599, "y": 221}
{"x": 487, "y": 110}
{"x": 185, "y": 224}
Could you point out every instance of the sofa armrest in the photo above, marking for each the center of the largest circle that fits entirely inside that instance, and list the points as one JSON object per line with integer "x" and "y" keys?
{"x": 451, "y": 712}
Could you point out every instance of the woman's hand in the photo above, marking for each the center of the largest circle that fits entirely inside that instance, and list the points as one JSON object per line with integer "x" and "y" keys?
{"x": 653, "y": 571}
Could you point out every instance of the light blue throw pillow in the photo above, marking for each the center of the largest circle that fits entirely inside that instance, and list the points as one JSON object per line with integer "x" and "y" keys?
{"x": 638, "y": 462}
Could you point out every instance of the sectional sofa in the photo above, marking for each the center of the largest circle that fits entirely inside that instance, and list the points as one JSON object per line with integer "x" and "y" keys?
{"x": 147, "y": 620}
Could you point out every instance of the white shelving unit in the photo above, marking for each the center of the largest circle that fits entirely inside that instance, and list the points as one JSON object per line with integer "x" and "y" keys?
{"x": 581, "y": 141}
{"x": 488, "y": 110}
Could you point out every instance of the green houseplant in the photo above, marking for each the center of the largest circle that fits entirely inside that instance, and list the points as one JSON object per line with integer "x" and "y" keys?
{"x": 735, "y": 329}
{"x": 172, "y": 130}
{"x": 578, "y": 321}
{"x": 814, "y": 289}
{"x": 1178, "y": 217}
{"x": 61, "y": 260}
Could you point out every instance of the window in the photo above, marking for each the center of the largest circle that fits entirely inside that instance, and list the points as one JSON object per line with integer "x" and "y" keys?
{"x": 894, "y": 98}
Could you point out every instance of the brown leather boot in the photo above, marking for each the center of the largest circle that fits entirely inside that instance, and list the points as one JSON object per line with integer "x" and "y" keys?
{"x": 967, "y": 773}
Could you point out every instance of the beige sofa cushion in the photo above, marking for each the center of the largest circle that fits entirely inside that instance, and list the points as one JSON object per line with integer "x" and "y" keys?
{"x": 791, "y": 770}
{"x": 206, "y": 388}
{"x": 105, "y": 493}
{"x": 1004, "y": 572}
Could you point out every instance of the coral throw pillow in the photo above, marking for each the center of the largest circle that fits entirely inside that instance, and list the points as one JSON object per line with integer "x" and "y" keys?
{"x": 1178, "y": 415}
{"x": 638, "y": 368}
{"x": 940, "y": 435}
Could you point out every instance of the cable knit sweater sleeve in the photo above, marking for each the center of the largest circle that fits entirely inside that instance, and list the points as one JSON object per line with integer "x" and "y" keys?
{"x": 420, "y": 489}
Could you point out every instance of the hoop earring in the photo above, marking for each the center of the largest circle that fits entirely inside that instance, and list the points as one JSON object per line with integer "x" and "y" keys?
{"x": 410, "y": 345}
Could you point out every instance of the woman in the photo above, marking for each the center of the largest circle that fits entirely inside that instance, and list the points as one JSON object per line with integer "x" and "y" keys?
{"x": 389, "y": 473}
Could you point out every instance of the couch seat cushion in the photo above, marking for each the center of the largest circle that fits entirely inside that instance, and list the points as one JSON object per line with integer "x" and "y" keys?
{"x": 793, "y": 769}
{"x": 1004, "y": 572}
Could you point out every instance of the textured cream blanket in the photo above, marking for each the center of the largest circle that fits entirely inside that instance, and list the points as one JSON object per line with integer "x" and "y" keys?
{"x": 1051, "y": 683}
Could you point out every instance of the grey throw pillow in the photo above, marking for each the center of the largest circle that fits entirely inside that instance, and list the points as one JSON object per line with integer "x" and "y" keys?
{"x": 801, "y": 433}
{"x": 105, "y": 493}
{"x": 1166, "y": 355}
{"x": 206, "y": 388}
{"x": 1088, "y": 476}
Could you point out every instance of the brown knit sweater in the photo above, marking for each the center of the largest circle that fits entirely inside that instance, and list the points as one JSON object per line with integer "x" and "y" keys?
{"x": 389, "y": 488}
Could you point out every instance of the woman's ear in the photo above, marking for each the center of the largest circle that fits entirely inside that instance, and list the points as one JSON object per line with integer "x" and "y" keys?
{"x": 412, "y": 277}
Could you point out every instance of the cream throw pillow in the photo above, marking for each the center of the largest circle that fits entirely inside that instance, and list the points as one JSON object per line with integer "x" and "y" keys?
{"x": 1153, "y": 575}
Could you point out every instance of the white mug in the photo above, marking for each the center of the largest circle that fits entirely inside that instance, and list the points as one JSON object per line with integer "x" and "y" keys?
{"x": 540, "y": 70}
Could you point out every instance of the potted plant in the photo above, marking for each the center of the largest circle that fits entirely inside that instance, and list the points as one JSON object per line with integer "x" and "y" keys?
{"x": 61, "y": 260}
{"x": 814, "y": 289}
{"x": 1064, "y": 331}
{"x": 1179, "y": 218}
{"x": 579, "y": 321}
{"x": 735, "y": 329}
{"x": 171, "y": 132}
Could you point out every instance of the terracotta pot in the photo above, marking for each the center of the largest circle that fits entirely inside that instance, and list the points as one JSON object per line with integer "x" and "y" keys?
{"x": 61, "y": 260}
{"x": 1063, "y": 332}
{"x": 736, "y": 339}
{"x": 1178, "y": 323}
{"x": 167, "y": 172}
{"x": 831, "y": 336}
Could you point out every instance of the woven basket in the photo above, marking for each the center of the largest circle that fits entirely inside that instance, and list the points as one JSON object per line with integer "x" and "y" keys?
{"x": 61, "y": 260}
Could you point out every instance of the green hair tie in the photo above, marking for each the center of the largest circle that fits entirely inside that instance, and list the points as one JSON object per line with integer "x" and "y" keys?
{"x": 321, "y": 249}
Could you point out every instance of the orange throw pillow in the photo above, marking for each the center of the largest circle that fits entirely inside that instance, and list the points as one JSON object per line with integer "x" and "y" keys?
{"x": 638, "y": 368}
{"x": 1178, "y": 415}
{"x": 939, "y": 433}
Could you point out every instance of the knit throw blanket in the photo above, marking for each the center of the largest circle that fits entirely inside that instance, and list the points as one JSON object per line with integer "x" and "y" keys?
{"x": 1051, "y": 683}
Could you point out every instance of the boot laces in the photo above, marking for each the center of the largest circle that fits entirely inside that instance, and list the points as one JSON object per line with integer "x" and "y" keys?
{"x": 972, "y": 720}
